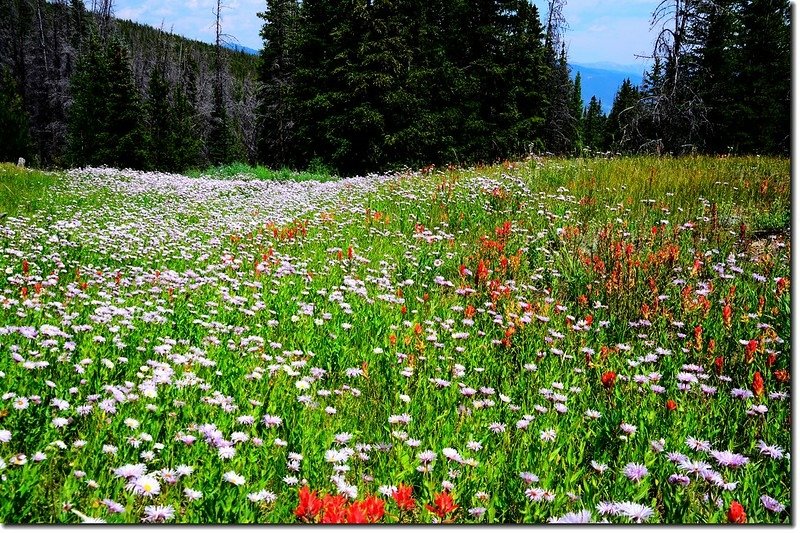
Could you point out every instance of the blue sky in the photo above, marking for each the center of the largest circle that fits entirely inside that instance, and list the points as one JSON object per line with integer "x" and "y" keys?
{"x": 599, "y": 30}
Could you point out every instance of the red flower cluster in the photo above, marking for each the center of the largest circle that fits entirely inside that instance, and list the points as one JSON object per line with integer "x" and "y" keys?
{"x": 608, "y": 379}
{"x": 403, "y": 498}
{"x": 503, "y": 231}
{"x": 758, "y": 384}
{"x": 482, "y": 271}
{"x": 310, "y": 505}
{"x": 736, "y": 514}
{"x": 727, "y": 313}
{"x": 718, "y": 362}
{"x": 335, "y": 509}
{"x": 443, "y": 505}
{"x": 750, "y": 350}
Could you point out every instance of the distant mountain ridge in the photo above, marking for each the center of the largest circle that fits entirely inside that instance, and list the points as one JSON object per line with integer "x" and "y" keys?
{"x": 604, "y": 79}
{"x": 239, "y": 48}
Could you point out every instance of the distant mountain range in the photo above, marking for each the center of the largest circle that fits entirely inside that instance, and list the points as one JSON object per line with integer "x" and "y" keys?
{"x": 601, "y": 79}
{"x": 604, "y": 79}
{"x": 252, "y": 51}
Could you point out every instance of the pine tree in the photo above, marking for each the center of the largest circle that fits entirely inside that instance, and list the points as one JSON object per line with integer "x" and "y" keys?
{"x": 621, "y": 132}
{"x": 576, "y": 110}
{"x": 15, "y": 139}
{"x": 276, "y": 122}
{"x": 124, "y": 136}
{"x": 594, "y": 124}
{"x": 160, "y": 119}
{"x": 762, "y": 88}
{"x": 87, "y": 120}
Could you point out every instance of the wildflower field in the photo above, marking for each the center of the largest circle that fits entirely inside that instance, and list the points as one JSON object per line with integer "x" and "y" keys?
{"x": 549, "y": 340}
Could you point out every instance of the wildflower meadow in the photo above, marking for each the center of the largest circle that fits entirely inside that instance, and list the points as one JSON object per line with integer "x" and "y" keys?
{"x": 552, "y": 340}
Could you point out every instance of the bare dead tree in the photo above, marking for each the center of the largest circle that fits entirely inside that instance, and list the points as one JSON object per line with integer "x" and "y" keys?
{"x": 670, "y": 115}
{"x": 105, "y": 12}
{"x": 556, "y": 23}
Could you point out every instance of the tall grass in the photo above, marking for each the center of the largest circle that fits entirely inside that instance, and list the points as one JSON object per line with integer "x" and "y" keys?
{"x": 23, "y": 190}
{"x": 245, "y": 171}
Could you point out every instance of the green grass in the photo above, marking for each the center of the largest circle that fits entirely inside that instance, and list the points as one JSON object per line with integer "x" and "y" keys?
{"x": 239, "y": 170}
{"x": 22, "y": 190}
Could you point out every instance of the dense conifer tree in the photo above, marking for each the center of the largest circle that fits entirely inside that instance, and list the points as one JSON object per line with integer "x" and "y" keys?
{"x": 275, "y": 118}
{"x": 594, "y": 125}
{"x": 576, "y": 110}
{"x": 762, "y": 84}
{"x": 15, "y": 139}
{"x": 621, "y": 127}
{"x": 160, "y": 118}
{"x": 105, "y": 117}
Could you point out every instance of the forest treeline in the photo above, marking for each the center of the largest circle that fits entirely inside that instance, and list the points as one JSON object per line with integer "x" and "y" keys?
{"x": 368, "y": 85}
{"x": 78, "y": 87}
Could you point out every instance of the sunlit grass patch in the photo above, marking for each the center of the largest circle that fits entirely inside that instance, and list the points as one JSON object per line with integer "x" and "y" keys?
{"x": 23, "y": 190}
{"x": 245, "y": 171}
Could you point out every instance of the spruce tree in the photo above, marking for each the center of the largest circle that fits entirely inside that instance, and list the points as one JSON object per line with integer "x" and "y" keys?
{"x": 762, "y": 87}
{"x": 561, "y": 126}
{"x": 87, "y": 115}
{"x": 712, "y": 67}
{"x": 527, "y": 74}
{"x": 221, "y": 142}
{"x": 594, "y": 124}
{"x": 184, "y": 136}
{"x": 105, "y": 125}
{"x": 124, "y": 137}
{"x": 15, "y": 139}
{"x": 160, "y": 119}
{"x": 576, "y": 110}
{"x": 621, "y": 125}
{"x": 275, "y": 110}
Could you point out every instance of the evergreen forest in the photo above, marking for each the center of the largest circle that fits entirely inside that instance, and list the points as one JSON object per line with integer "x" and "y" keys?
{"x": 357, "y": 86}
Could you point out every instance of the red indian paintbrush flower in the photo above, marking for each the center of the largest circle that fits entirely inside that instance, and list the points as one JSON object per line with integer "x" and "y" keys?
{"x": 356, "y": 514}
{"x": 608, "y": 379}
{"x": 712, "y": 345}
{"x": 671, "y": 405}
{"x": 736, "y": 514}
{"x": 750, "y": 350}
{"x": 443, "y": 505}
{"x": 483, "y": 271}
{"x": 334, "y": 509}
{"x": 374, "y": 508}
{"x": 718, "y": 362}
{"x": 402, "y": 496}
{"x": 698, "y": 338}
{"x": 781, "y": 286}
{"x": 310, "y": 505}
{"x": 758, "y": 384}
{"x": 727, "y": 313}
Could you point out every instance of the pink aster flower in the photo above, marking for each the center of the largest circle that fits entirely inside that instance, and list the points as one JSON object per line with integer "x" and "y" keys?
{"x": 635, "y": 471}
